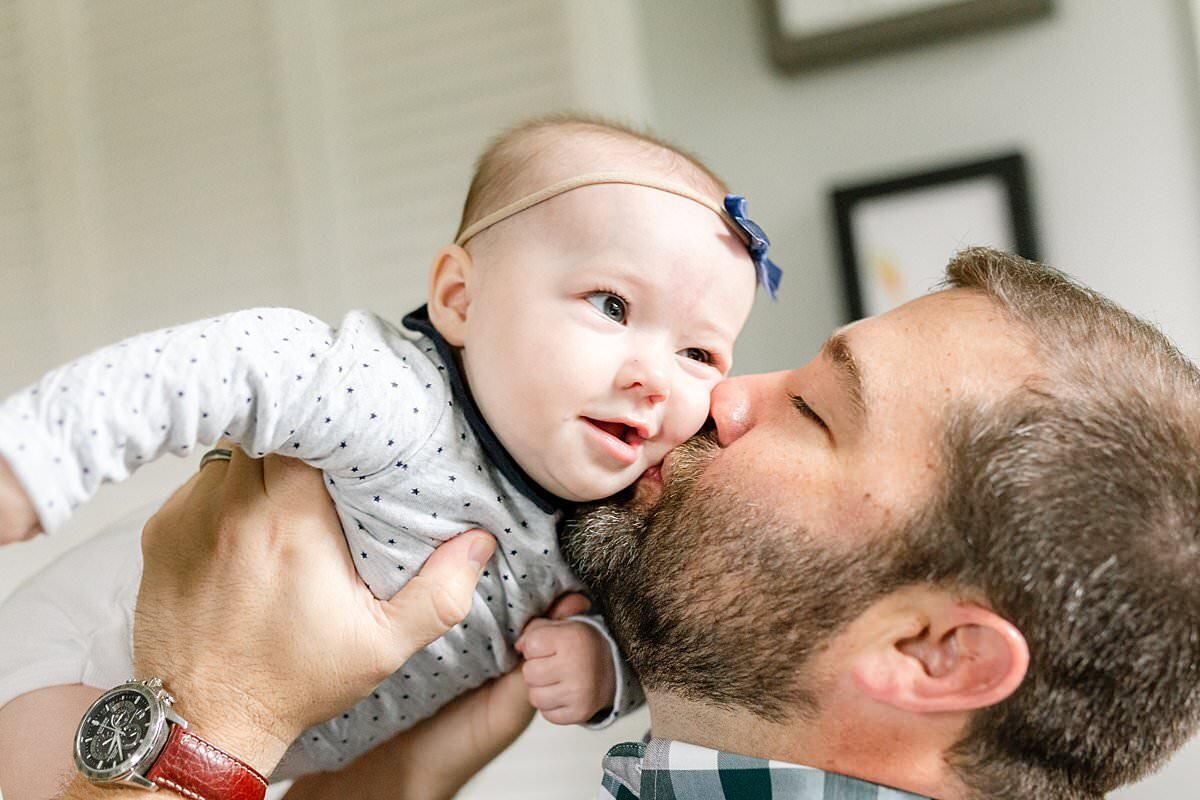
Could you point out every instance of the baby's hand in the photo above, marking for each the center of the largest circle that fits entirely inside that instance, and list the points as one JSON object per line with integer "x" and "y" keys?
{"x": 568, "y": 665}
{"x": 18, "y": 520}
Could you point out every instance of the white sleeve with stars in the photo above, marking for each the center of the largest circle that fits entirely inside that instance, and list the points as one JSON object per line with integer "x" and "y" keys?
{"x": 274, "y": 380}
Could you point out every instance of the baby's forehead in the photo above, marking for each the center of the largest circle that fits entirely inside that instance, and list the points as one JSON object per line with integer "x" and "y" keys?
{"x": 535, "y": 170}
{"x": 548, "y": 156}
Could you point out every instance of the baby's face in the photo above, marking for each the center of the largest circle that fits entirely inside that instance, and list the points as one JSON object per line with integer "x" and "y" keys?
{"x": 599, "y": 323}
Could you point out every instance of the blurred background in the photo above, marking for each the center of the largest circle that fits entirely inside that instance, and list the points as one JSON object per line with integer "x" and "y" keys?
{"x": 163, "y": 161}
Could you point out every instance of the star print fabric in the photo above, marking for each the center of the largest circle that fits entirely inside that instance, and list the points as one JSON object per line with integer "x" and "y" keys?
{"x": 274, "y": 380}
{"x": 370, "y": 404}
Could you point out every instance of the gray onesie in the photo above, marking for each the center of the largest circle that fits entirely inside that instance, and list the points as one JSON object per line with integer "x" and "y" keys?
{"x": 407, "y": 457}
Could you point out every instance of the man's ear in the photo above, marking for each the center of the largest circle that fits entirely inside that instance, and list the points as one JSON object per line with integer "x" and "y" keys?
{"x": 931, "y": 652}
{"x": 449, "y": 293}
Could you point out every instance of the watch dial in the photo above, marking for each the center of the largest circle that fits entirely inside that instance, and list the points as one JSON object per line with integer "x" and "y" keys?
{"x": 113, "y": 730}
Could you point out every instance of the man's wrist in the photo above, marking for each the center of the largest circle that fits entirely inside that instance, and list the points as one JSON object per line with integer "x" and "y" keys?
{"x": 239, "y": 725}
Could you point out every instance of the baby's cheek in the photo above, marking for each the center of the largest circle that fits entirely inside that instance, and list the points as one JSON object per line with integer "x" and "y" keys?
{"x": 688, "y": 414}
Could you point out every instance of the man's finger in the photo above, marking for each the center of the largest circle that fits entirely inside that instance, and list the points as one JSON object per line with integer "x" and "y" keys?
{"x": 513, "y": 713}
{"x": 209, "y": 478}
{"x": 206, "y": 482}
{"x": 160, "y": 520}
{"x": 290, "y": 480}
{"x": 440, "y": 596}
{"x": 477, "y": 726}
{"x": 243, "y": 477}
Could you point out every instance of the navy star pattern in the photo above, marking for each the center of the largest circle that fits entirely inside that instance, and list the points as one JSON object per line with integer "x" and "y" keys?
{"x": 410, "y": 456}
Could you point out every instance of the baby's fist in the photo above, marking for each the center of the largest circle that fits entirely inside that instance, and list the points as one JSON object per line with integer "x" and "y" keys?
{"x": 568, "y": 670}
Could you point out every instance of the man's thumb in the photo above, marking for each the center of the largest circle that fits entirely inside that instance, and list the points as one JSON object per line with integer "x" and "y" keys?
{"x": 440, "y": 596}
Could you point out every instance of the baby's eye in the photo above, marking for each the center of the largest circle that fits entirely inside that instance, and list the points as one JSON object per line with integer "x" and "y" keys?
{"x": 610, "y": 305}
{"x": 697, "y": 354}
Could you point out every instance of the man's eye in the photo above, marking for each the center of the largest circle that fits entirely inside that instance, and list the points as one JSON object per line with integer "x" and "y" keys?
{"x": 806, "y": 410}
{"x": 697, "y": 354}
{"x": 610, "y": 305}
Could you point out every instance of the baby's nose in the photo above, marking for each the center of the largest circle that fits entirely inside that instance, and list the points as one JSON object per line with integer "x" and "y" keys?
{"x": 648, "y": 377}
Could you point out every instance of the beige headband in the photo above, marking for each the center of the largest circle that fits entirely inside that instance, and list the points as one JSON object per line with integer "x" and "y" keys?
{"x": 591, "y": 179}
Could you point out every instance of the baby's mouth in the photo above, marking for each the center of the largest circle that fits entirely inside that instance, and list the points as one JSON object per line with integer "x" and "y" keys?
{"x": 618, "y": 430}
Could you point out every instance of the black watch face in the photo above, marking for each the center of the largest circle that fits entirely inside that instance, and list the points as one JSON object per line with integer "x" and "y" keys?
{"x": 111, "y": 734}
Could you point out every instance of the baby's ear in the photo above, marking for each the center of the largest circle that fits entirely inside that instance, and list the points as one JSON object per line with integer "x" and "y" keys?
{"x": 449, "y": 293}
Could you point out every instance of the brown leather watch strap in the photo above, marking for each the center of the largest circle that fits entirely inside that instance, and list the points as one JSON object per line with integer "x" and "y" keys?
{"x": 194, "y": 768}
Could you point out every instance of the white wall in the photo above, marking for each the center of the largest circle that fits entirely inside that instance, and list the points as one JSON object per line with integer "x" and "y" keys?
{"x": 1102, "y": 97}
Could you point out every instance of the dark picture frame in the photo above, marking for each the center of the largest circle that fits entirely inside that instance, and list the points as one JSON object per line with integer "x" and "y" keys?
{"x": 839, "y": 32}
{"x": 896, "y": 235}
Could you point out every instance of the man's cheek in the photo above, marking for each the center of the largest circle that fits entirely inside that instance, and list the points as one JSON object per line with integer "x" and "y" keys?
{"x": 782, "y": 482}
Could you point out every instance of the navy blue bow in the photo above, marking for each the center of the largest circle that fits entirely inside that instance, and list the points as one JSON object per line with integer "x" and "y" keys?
{"x": 769, "y": 274}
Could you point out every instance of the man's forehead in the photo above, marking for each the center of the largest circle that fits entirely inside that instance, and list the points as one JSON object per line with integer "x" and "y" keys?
{"x": 947, "y": 313}
{"x": 914, "y": 365}
{"x": 951, "y": 341}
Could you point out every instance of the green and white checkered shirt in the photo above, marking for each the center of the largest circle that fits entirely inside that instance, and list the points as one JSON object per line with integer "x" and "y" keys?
{"x": 665, "y": 770}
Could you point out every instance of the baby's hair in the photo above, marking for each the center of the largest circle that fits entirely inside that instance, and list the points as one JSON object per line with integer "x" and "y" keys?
{"x": 528, "y": 155}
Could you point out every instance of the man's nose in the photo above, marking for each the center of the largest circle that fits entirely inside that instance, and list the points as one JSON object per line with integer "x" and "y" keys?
{"x": 736, "y": 405}
{"x": 647, "y": 376}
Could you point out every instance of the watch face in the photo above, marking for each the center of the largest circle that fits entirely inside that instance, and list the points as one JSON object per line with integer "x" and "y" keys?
{"x": 118, "y": 732}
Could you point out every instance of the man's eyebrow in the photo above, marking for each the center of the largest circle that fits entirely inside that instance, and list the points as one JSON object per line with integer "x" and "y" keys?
{"x": 837, "y": 350}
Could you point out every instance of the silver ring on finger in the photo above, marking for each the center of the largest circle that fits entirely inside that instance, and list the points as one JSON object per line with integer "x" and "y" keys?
{"x": 216, "y": 454}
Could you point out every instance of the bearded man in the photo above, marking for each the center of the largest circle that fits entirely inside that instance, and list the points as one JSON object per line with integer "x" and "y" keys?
{"x": 956, "y": 554}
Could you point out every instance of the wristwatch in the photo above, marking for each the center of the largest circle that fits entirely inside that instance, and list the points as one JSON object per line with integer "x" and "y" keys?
{"x": 132, "y": 737}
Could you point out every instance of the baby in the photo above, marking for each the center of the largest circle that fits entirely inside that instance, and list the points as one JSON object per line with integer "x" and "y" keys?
{"x": 572, "y": 336}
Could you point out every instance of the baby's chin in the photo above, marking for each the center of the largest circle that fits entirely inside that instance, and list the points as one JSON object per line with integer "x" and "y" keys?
{"x": 644, "y": 492}
{"x": 617, "y": 486}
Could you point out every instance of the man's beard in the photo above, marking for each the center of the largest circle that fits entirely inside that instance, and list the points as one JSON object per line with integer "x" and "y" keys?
{"x": 716, "y": 599}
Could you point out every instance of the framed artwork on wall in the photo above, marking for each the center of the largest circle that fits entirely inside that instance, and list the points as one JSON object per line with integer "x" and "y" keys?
{"x": 895, "y": 236}
{"x": 809, "y": 33}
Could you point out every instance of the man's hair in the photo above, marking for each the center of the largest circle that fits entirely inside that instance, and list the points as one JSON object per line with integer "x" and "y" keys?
{"x": 515, "y": 162}
{"x": 1073, "y": 506}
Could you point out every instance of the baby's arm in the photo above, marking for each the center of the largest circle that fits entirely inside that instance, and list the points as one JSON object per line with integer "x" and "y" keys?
{"x": 573, "y": 670}
{"x": 275, "y": 380}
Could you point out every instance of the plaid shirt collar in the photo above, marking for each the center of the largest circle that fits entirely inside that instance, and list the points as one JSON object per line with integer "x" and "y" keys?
{"x": 665, "y": 770}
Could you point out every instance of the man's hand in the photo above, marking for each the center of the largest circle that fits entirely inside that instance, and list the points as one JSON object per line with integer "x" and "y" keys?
{"x": 18, "y": 519}
{"x": 568, "y": 665}
{"x": 252, "y": 613}
{"x": 435, "y": 758}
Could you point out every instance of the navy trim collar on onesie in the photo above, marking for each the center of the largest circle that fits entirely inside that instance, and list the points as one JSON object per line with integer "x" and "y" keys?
{"x": 419, "y": 321}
